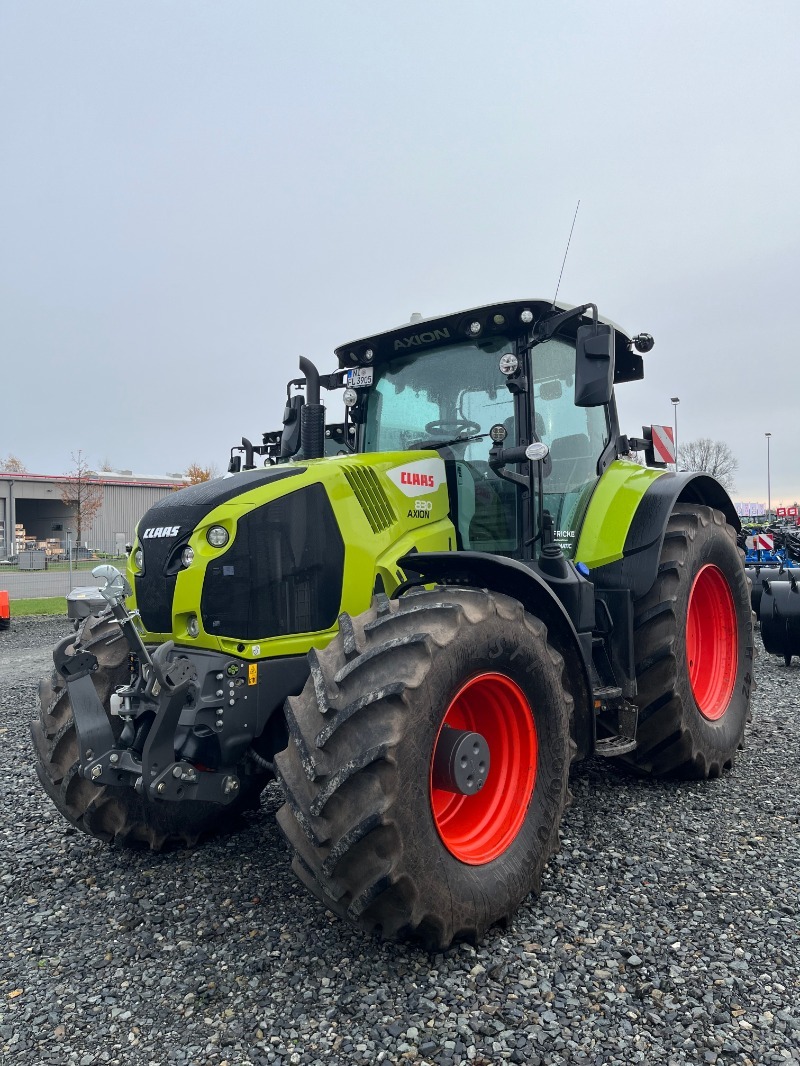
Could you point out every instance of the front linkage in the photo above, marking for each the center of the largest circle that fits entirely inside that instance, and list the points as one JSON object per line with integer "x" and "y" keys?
{"x": 163, "y": 685}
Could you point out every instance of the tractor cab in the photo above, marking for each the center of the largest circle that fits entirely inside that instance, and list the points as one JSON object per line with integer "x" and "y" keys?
{"x": 479, "y": 388}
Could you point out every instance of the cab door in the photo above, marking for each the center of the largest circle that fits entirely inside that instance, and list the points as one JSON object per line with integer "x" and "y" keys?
{"x": 576, "y": 437}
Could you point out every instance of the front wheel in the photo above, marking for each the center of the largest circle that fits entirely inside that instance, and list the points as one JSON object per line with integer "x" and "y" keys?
{"x": 426, "y": 772}
{"x": 693, "y": 643}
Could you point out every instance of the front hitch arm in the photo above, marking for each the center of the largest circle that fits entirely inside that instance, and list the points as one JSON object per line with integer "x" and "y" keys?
{"x": 168, "y": 683}
{"x": 94, "y": 731}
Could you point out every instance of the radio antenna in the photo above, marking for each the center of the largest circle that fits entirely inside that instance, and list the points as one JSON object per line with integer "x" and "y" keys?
{"x": 566, "y": 250}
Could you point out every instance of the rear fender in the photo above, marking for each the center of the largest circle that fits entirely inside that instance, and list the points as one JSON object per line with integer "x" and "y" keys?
{"x": 514, "y": 579}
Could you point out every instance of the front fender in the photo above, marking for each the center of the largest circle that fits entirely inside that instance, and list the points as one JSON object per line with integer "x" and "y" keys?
{"x": 515, "y": 579}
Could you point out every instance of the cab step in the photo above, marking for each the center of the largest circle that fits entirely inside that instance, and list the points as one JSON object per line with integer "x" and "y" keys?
{"x": 609, "y": 747}
{"x": 606, "y": 694}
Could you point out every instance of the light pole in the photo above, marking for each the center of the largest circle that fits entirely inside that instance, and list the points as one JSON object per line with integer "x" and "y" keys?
{"x": 675, "y": 401}
{"x": 769, "y": 489}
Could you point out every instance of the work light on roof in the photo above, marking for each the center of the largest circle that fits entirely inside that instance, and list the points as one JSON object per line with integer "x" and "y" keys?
{"x": 368, "y": 355}
{"x": 526, "y": 316}
{"x": 474, "y": 328}
{"x": 499, "y": 320}
{"x": 509, "y": 364}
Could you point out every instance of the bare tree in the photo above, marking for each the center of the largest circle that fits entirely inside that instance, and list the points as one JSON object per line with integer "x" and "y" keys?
{"x": 83, "y": 493}
{"x": 712, "y": 457}
{"x": 12, "y": 464}
{"x": 196, "y": 473}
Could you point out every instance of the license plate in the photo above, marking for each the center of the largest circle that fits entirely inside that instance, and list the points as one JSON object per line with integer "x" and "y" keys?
{"x": 360, "y": 377}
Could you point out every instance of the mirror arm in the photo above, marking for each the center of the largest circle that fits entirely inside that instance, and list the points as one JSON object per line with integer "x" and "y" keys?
{"x": 546, "y": 327}
{"x": 498, "y": 457}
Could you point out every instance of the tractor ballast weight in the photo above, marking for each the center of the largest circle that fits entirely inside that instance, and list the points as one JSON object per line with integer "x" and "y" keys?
{"x": 415, "y": 620}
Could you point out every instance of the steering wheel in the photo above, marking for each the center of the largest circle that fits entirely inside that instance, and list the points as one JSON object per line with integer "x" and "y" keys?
{"x": 452, "y": 427}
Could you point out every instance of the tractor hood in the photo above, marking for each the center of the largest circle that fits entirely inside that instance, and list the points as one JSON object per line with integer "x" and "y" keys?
{"x": 304, "y": 542}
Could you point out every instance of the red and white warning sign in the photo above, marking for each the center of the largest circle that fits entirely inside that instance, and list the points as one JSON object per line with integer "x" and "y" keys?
{"x": 663, "y": 444}
{"x": 761, "y": 542}
{"x": 780, "y": 512}
{"x": 791, "y": 512}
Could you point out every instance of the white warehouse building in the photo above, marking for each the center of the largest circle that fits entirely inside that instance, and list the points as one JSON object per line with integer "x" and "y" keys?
{"x": 34, "y": 514}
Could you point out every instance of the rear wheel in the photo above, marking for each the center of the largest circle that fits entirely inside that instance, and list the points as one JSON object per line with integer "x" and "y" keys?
{"x": 426, "y": 772}
{"x": 693, "y": 639}
{"x": 117, "y": 814}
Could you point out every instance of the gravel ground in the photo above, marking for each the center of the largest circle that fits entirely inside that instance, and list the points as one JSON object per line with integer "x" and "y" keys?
{"x": 666, "y": 932}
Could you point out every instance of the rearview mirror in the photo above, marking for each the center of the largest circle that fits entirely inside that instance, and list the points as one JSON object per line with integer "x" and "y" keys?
{"x": 594, "y": 365}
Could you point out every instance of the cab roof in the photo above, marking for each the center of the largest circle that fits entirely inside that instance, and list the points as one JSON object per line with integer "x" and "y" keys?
{"x": 495, "y": 319}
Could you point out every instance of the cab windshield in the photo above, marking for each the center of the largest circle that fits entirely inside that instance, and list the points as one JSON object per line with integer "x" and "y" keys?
{"x": 449, "y": 398}
{"x": 438, "y": 396}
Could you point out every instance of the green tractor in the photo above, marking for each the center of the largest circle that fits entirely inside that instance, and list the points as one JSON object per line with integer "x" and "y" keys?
{"x": 415, "y": 620}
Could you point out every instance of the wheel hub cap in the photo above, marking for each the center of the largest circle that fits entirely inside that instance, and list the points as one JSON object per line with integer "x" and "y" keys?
{"x": 460, "y": 761}
{"x": 489, "y": 721}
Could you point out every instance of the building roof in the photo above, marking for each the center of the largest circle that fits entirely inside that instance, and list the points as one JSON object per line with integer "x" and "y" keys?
{"x": 103, "y": 478}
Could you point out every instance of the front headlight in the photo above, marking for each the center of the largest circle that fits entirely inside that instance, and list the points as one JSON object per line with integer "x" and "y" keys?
{"x": 187, "y": 556}
{"x": 193, "y": 627}
{"x": 217, "y": 536}
{"x": 138, "y": 559}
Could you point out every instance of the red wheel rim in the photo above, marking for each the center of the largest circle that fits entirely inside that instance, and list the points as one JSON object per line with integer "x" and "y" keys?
{"x": 476, "y": 829}
{"x": 712, "y": 642}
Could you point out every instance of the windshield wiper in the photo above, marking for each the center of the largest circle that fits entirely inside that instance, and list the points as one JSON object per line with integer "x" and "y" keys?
{"x": 420, "y": 445}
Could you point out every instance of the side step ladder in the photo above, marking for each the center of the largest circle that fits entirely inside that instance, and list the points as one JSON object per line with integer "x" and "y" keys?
{"x": 610, "y": 701}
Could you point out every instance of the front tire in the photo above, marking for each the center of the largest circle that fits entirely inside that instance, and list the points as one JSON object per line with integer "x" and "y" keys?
{"x": 375, "y": 836}
{"x": 693, "y": 642}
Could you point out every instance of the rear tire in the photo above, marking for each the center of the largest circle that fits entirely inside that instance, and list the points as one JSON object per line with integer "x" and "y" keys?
{"x": 693, "y": 641}
{"x": 373, "y": 837}
{"x": 116, "y": 814}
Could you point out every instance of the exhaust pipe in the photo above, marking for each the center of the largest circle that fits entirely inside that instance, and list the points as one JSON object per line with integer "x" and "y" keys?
{"x": 312, "y": 414}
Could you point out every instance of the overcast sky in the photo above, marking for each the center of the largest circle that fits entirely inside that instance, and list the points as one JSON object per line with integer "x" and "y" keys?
{"x": 193, "y": 194}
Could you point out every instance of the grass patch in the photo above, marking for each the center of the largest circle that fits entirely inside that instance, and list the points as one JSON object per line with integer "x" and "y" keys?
{"x": 63, "y": 567}
{"x": 52, "y": 605}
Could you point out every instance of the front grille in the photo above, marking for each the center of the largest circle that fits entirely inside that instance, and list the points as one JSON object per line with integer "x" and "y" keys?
{"x": 183, "y": 510}
{"x": 370, "y": 494}
{"x": 282, "y": 574}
